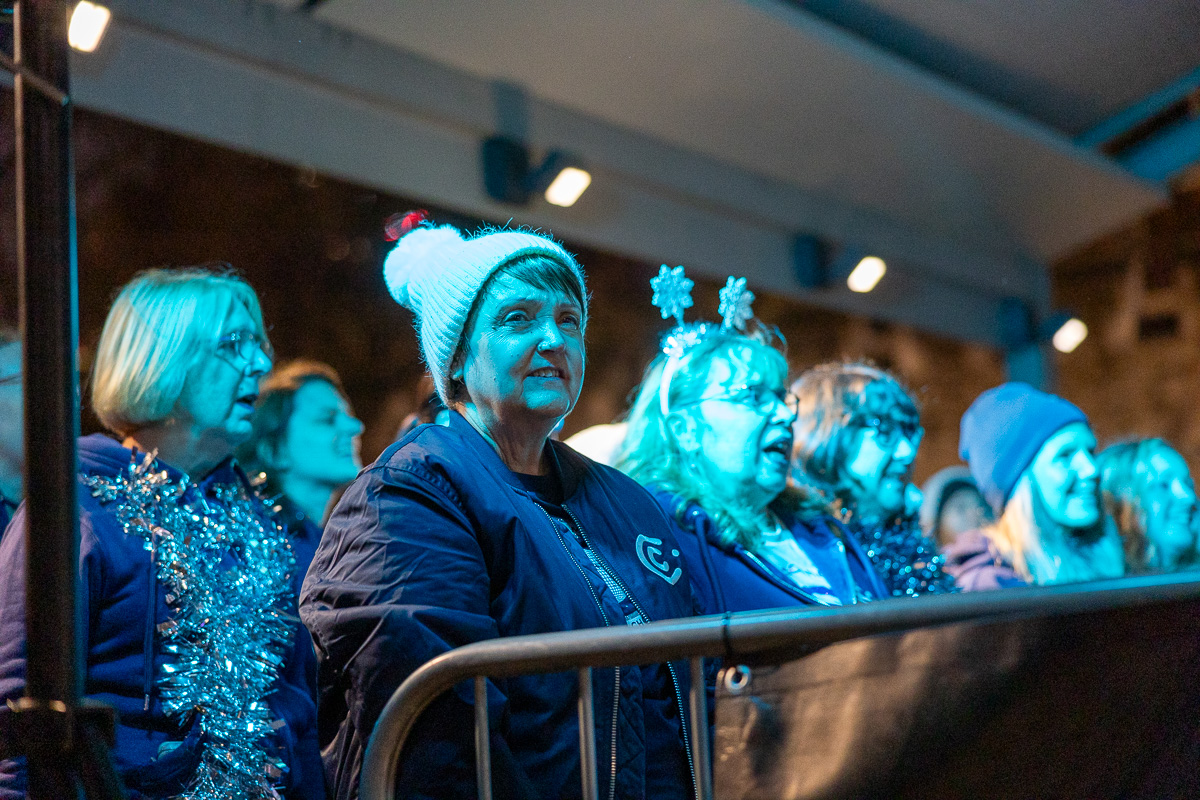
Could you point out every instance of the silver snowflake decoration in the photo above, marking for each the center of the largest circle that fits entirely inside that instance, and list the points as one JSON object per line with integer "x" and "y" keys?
{"x": 735, "y": 304}
{"x": 679, "y": 339}
{"x": 672, "y": 292}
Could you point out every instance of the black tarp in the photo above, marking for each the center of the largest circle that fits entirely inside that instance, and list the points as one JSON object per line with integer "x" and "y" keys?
{"x": 1098, "y": 705}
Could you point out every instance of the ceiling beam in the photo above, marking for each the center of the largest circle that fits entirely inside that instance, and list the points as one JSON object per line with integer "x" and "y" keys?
{"x": 256, "y": 78}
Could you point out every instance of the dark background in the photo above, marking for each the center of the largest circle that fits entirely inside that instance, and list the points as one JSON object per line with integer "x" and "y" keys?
{"x": 313, "y": 247}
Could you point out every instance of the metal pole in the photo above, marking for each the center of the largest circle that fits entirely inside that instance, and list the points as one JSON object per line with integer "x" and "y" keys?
{"x": 587, "y": 736}
{"x": 701, "y": 753}
{"x": 483, "y": 744}
{"x": 46, "y": 264}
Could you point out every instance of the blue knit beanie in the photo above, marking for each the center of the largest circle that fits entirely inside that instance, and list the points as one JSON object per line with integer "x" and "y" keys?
{"x": 1003, "y": 430}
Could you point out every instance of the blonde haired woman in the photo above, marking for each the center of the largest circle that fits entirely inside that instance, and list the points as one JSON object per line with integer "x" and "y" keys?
{"x": 1032, "y": 454}
{"x": 1148, "y": 490}
{"x": 184, "y": 575}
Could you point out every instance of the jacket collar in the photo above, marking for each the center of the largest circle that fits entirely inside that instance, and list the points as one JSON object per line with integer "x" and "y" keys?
{"x": 556, "y": 454}
{"x": 761, "y": 566}
{"x": 102, "y": 455}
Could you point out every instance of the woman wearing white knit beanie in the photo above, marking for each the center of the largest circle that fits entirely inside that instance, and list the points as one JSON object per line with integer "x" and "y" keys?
{"x": 485, "y": 527}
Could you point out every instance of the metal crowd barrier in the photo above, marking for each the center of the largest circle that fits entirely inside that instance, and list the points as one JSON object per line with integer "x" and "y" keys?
{"x": 766, "y": 636}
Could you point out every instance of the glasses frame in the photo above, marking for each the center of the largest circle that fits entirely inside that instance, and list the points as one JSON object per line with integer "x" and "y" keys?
{"x": 736, "y": 394}
{"x": 888, "y": 432}
{"x": 244, "y": 345}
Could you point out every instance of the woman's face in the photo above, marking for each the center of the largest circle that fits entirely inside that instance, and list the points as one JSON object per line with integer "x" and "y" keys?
{"x": 743, "y": 433}
{"x": 1066, "y": 478}
{"x": 1169, "y": 505}
{"x": 524, "y": 355}
{"x": 963, "y": 510}
{"x": 218, "y": 394}
{"x": 321, "y": 442}
{"x": 878, "y": 465}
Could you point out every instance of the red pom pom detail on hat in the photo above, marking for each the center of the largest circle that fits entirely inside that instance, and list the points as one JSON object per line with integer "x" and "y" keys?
{"x": 399, "y": 224}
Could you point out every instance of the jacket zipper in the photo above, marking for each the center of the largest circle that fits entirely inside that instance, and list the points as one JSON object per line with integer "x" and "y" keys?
{"x": 849, "y": 575}
{"x": 687, "y": 744}
{"x": 616, "y": 708}
{"x": 864, "y": 564}
{"x": 789, "y": 586}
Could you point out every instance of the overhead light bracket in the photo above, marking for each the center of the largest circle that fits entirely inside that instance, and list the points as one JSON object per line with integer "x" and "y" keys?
{"x": 510, "y": 176}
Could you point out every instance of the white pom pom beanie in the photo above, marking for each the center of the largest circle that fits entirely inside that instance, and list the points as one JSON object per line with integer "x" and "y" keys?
{"x": 437, "y": 274}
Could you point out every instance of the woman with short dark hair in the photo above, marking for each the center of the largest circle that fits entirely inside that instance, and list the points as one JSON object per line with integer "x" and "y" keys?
{"x": 857, "y": 434}
{"x": 305, "y": 439}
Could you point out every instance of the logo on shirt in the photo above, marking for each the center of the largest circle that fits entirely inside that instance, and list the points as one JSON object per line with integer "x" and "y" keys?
{"x": 649, "y": 552}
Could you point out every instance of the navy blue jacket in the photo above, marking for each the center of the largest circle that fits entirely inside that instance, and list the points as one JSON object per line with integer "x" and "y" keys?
{"x": 728, "y": 577}
{"x": 304, "y": 535}
{"x": 115, "y": 587}
{"x": 437, "y": 545}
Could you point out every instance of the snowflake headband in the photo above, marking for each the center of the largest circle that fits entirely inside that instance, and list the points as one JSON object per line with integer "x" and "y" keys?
{"x": 672, "y": 295}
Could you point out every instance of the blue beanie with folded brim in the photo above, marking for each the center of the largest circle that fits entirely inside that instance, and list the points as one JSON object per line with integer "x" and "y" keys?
{"x": 1003, "y": 430}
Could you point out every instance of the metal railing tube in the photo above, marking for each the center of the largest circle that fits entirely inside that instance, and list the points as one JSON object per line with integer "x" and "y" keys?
{"x": 743, "y": 635}
{"x": 701, "y": 752}
{"x": 520, "y": 655}
{"x": 756, "y": 633}
{"x": 483, "y": 744}
{"x": 587, "y": 736}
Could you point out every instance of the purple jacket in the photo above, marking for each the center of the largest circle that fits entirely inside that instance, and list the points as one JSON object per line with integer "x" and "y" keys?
{"x": 116, "y": 582}
{"x": 304, "y": 536}
{"x": 977, "y": 565}
{"x": 6, "y": 513}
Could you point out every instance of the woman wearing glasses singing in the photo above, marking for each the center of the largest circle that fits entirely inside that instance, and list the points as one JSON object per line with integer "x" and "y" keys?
{"x": 857, "y": 433}
{"x": 710, "y": 434}
{"x": 184, "y": 578}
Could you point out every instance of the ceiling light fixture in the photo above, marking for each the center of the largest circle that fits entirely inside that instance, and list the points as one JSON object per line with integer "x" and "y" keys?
{"x": 1069, "y": 335}
{"x": 867, "y": 274}
{"x": 509, "y": 176}
{"x": 89, "y": 21}
{"x": 567, "y": 186}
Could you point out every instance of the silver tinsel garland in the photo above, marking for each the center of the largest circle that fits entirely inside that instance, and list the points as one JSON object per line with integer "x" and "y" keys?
{"x": 906, "y": 559}
{"x": 227, "y": 572}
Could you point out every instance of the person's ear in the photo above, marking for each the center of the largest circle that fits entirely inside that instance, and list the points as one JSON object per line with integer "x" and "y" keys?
{"x": 685, "y": 431}
{"x": 271, "y": 456}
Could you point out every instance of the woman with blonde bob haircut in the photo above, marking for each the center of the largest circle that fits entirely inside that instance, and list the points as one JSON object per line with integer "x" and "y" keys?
{"x": 185, "y": 578}
{"x": 158, "y": 327}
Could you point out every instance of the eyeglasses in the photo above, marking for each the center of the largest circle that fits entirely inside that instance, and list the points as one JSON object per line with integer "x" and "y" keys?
{"x": 888, "y": 432}
{"x": 243, "y": 345}
{"x": 759, "y": 397}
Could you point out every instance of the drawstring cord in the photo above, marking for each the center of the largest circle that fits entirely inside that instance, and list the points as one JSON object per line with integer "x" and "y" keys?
{"x": 148, "y": 634}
